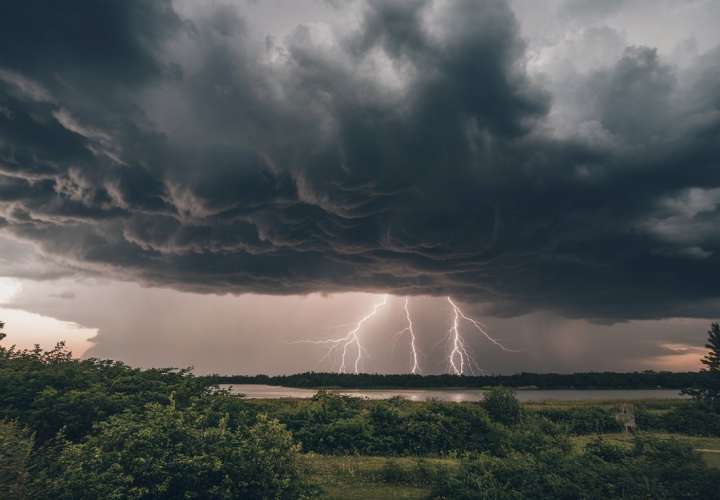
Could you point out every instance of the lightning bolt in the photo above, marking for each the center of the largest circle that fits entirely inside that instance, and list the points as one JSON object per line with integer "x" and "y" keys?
{"x": 459, "y": 357}
{"x": 350, "y": 341}
{"x": 409, "y": 329}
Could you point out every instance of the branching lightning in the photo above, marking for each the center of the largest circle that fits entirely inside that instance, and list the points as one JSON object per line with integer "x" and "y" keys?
{"x": 350, "y": 341}
{"x": 459, "y": 357}
{"x": 410, "y": 329}
{"x": 458, "y": 354}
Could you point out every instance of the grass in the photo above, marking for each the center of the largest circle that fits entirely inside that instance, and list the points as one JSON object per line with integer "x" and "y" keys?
{"x": 353, "y": 477}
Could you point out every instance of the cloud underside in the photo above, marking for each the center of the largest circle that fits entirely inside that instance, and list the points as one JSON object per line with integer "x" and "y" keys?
{"x": 413, "y": 154}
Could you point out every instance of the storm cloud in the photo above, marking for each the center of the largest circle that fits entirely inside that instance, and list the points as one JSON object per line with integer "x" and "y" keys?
{"x": 415, "y": 152}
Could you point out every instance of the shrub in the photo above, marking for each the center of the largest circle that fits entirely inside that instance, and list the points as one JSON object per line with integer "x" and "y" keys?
{"x": 15, "y": 448}
{"x": 49, "y": 390}
{"x": 502, "y": 405}
{"x": 695, "y": 419}
{"x": 168, "y": 453}
{"x": 651, "y": 469}
{"x": 535, "y": 435}
{"x": 592, "y": 420}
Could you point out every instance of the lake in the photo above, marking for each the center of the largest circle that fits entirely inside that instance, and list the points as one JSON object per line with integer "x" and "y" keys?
{"x": 257, "y": 391}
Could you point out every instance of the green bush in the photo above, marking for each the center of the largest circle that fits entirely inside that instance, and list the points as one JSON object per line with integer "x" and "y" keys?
{"x": 16, "y": 445}
{"x": 333, "y": 424}
{"x": 592, "y": 420}
{"x": 502, "y": 405}
{"x": 651, "y": 469}
{"x": 168, "y": 453}
{"x": 49, "y": 390}
{"x": 535, "y": 435}
{"x": 695, "y": 419}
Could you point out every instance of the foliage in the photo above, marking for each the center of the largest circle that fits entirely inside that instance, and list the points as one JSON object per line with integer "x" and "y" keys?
{"x": 712, "y": 358}
{"x": 169, "y": 453}
{"x": 106, "y": 430}
{"x": 590, "y": 420}
{"x": 502, "y": 405}
{"x": 535, "y": 435}
{"x": 707, "y": 391}
{"x": 338, "y": 424}
{"x": 335, "y": 424}
{"x": 49, "y": 390}
{"x": 695, "y": 420}
{"x": 15, "y": 448}
{"x": 651, "y": 469}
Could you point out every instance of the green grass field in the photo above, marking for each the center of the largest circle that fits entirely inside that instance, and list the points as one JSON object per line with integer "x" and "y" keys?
{"x": 380, "y": 478}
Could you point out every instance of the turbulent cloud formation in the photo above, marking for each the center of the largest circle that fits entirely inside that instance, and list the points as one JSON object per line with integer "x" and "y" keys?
{"x": 414, "y": 153}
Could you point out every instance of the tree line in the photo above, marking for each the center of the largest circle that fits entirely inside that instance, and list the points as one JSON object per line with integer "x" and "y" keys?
{"x": 586, "y": 380}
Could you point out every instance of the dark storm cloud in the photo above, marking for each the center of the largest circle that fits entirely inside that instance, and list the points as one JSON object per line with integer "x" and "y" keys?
{"x": 412, "y": 156}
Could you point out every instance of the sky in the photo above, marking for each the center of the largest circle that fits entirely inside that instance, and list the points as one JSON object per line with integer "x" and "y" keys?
{"x": 215, "y": 183}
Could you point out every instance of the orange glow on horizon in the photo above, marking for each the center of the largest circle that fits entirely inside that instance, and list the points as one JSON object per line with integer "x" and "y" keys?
{"x": 25, "y": 329}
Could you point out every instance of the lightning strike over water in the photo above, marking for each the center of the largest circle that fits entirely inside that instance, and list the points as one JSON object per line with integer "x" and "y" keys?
{"x": 410, "y": 329}
{"x": 459, "y": 357}
{"x": 349, "y": 340}
{"x": 459, "y": 360}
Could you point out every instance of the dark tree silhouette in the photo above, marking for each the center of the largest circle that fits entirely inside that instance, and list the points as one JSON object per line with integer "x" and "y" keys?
{"x": 712, "y": 359}
{"x": 709, "y": 392}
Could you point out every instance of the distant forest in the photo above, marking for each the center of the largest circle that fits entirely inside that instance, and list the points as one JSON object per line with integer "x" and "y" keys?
{"x": 589, "y": 380}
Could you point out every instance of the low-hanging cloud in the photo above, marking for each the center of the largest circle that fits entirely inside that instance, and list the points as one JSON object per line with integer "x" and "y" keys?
{"x": 413, "y": 154}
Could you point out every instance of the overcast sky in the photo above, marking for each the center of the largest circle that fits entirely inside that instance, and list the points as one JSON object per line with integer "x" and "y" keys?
{"x": 207, "y": 182}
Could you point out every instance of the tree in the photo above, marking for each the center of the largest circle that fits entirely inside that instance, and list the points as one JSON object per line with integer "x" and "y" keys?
{"x": 709, "y": 392}
{"x": 2, "y": 335}
{"x": 712, "y": 358}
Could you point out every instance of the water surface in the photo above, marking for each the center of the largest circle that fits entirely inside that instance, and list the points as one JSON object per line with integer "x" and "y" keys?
{"x": 257, "y": 391}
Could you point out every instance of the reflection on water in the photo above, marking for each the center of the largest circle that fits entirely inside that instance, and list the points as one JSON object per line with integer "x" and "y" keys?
{"x": 256, "y": 391}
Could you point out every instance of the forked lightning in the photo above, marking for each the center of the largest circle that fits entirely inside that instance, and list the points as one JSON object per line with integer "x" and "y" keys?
{"x": 350, "y": 340}
{"x": 459, "y": 359}
{"x": 410, "y": 330}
